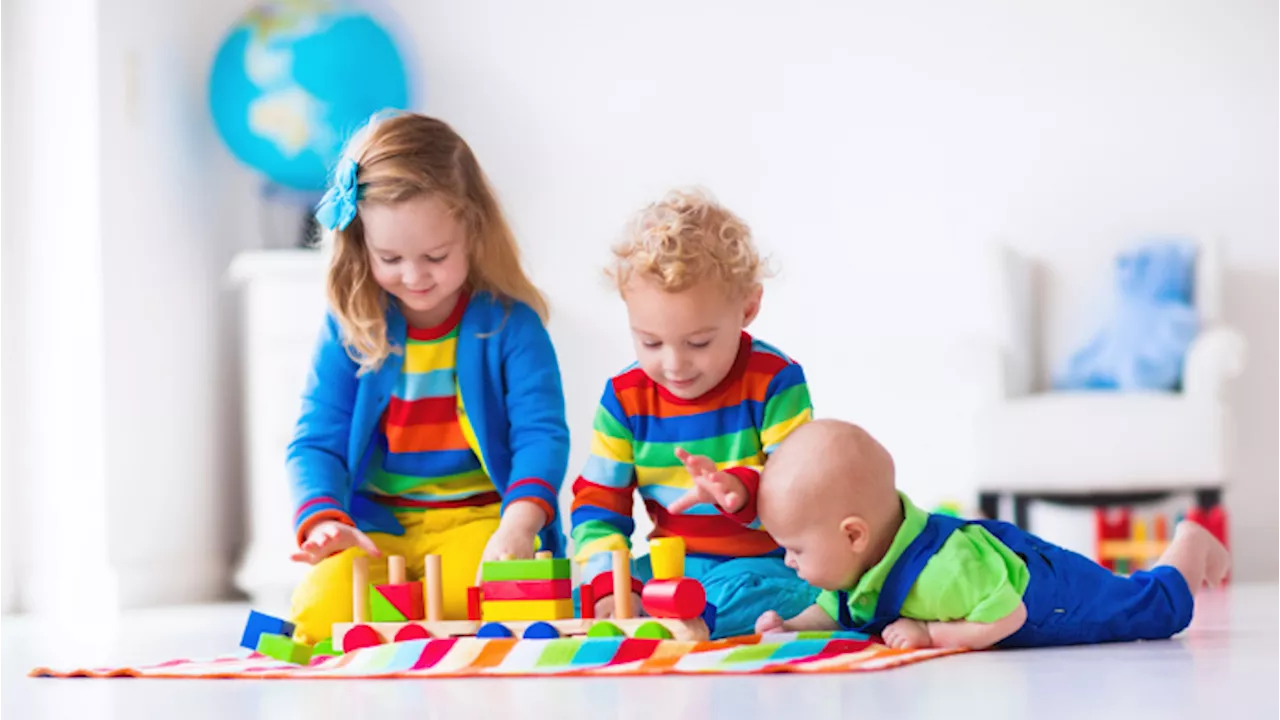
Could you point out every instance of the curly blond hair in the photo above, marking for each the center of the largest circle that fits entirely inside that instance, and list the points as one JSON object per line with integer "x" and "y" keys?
{"x": 683, "y": 238}
{"x": 400, "y": 158}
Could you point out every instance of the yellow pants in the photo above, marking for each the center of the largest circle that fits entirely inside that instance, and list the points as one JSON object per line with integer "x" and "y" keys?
{"x": 458, "y": 535}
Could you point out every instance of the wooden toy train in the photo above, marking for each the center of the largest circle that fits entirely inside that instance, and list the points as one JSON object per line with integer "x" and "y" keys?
{"x": 531, "y": 599}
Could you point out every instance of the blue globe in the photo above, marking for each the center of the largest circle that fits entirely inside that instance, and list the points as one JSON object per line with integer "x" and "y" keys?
{"x": 293, "y": 80}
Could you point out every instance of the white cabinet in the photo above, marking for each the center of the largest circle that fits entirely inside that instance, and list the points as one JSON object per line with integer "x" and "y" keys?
{"x": 282, "y": 308}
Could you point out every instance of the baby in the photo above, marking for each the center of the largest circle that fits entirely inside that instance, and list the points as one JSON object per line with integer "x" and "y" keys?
{"x": 888, "y": 568}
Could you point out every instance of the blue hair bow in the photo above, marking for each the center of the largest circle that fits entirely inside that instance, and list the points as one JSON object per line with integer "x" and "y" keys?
{"x": 338, "y": 206}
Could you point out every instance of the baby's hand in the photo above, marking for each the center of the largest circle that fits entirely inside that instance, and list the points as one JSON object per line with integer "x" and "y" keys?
{"x": 329, "y": 538}
{"x": 769, "y": 622}
{"x": 907, "y": 634}
{"x": 709, "y": 485}
{"x": 604, "y": 606}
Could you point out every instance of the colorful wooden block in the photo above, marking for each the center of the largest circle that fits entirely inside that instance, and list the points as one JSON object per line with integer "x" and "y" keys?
{"x": 682, "y": 598}
{"x": 283, "y": 648}
{"x": 473, "y": 602}
{"x": 586, "y": 601}
{"x": 259, "y": 623}
{"x": 527, "y": 589}
{"x": 653, "y": 631}
{"x": 325, "y": 648}
{"x": 406, "y": 598}
{"x": 541, "y": 631}
{"x": 666, "y": 557}
{"x": 501, "y": 610}
{"x": 381, "y": 609}
{"x": 538, "y": 569}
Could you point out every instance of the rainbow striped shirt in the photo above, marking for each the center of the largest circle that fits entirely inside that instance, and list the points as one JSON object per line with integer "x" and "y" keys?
{"x": 637, "y": 428}
{"x": 421, "y": 456}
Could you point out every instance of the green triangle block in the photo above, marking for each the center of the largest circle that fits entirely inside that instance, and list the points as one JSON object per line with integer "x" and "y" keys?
{"x": 604, "y": 630}
{"x": 653, "y": 631}
{"x": 325, "y": 647}
{"x": 381, "y": 609}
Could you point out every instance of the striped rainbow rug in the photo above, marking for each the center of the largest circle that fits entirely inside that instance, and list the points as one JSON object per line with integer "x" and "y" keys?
{"x": 805, "y": 652}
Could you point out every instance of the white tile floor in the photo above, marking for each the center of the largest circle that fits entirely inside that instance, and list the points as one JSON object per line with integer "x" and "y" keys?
{"x": 1225, "y": 666}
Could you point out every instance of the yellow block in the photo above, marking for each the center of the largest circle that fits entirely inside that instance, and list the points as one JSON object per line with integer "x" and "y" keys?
{"x": 1146, "y": 549}
{"x": 666, "y": 556}
{"x": 508, "y": 610}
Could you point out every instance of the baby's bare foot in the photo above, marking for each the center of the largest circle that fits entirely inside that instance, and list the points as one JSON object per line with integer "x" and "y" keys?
{"x": 1217, "y": 560}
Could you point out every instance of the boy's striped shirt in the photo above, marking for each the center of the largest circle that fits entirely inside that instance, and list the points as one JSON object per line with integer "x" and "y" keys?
{"x": 637, "y": 428}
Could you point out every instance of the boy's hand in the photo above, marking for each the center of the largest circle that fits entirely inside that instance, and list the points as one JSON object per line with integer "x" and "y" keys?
{"x": 604, "y": 606}
{"x": 329, "y": 538}
{"x": 709, "y": 485}
{"x": 769, "y": 622}
{"x": 907, "y": 634}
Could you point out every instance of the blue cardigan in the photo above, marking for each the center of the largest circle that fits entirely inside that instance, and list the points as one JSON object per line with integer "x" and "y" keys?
{"x": 509, "y": 383}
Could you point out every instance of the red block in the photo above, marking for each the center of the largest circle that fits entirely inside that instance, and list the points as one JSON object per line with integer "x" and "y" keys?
{"x": 1111, "y": 525}
{"x": 406, "y": 597}
{"x": 679, "y": 598}
{"x": 587, "y": 599}
{"x": 528, "y": 589}
{"x": 473, "y": 603}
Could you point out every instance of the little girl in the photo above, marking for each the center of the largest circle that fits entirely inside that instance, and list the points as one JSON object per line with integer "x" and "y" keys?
{"x": 433, "y": 415}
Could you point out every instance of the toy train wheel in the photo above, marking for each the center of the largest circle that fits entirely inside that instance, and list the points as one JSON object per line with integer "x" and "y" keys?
{"x": 412, "y": 632}
{"x": 360, "y": 636}
{"x": 494, "y": 630}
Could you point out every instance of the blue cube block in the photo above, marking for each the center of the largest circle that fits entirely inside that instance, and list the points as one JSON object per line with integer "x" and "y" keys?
{"x": 260, "y": 623}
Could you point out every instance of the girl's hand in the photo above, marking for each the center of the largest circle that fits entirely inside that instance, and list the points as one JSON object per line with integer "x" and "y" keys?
{"x": 515, "y": 535}
{"x": 330, "y": 538}
{"x": 709, "y": 485}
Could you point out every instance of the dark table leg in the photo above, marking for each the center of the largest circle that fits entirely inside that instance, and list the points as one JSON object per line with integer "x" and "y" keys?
{"x": 989, "y": 505}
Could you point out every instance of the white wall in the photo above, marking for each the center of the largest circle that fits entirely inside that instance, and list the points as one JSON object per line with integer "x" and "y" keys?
{"x": 171, "y": 380}
{"x": 874, "y": 148}
{"x": 9, "y": 299}
{"x": 54, "y": 399}
{"x": 123, "y": 455}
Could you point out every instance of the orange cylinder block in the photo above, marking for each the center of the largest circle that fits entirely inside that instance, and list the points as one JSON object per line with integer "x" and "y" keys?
{"x": 681, "y": 598}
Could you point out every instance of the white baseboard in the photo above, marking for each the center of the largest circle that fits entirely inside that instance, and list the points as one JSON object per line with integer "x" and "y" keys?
{"x": 52, "y": 589}
{"x": 268, "y": 577}
{"x": 192, "y": 580}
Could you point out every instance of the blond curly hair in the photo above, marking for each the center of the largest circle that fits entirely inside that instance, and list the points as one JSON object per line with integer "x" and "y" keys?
{"x": 683, "y": 238}
{"x": 400, "y": 158}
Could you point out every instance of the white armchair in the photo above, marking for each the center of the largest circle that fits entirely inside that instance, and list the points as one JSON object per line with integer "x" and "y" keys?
{"x": 1104, "y": 448}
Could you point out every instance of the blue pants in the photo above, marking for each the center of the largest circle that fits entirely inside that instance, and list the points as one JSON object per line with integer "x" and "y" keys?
{"x": 1070, "y": 599}
{"x": 1073, "y": 600}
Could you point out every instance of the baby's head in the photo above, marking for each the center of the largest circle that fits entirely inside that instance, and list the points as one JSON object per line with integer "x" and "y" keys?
{"x": 827, "y": 496}
{"x": 690, "y": 276}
